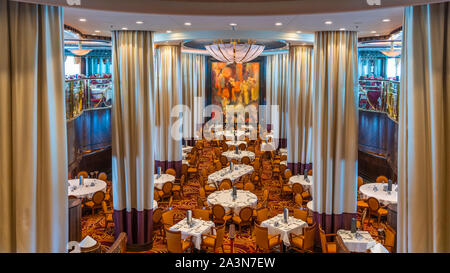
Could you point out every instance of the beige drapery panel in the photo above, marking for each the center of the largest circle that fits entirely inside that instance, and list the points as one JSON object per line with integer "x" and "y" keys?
{"x": 335, "y": 128}
{"x": 193, "y": 93}
{"x": 423, "y": 223}
{"x": 277, "y": 67}
{"x": 132, "y": 134}
{"x": 33, "y": 157}
{"x": 168, "y": 95}
{"x": 299, "y": 108}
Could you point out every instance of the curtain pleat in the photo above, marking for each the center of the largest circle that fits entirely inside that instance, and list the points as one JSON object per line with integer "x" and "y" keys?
{"x": 276, "y": 92}
{"x": 193, "y": 95}
{"x": 335, "y": 128}
{"x": 299, "y": 108}
{"x": 423, "y": 222}
{"x": 168, "y": 95}
{"x": 33, "y": 139}
{"x": 132, "y": 134}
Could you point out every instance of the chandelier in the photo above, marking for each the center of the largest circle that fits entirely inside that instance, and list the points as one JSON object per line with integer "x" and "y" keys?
{"x": 235, "y": 51}
{"x": 391, "y": 53}
{"x": 80, "y": 51}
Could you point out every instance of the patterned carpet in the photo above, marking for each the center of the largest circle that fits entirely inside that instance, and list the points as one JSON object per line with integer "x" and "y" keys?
{"x": 93, "y": 225}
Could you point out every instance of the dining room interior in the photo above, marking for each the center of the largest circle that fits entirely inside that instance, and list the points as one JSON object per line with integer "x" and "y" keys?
{"x": 225, "y": 126}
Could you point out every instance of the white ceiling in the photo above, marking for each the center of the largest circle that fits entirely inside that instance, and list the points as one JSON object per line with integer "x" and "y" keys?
{"x": 364, "y": 21}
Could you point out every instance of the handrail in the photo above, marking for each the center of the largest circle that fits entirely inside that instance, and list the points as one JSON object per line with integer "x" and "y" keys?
{"x": 379, "y": 96}
{"x": 87, "y": 94}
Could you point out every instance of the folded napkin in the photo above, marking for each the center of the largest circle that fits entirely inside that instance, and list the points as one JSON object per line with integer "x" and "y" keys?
{"x": 87, "y": 242}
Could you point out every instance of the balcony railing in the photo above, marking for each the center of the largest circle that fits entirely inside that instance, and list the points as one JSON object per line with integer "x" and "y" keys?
{"x": 379, "y": 96}
{"x": 87, "y": 94}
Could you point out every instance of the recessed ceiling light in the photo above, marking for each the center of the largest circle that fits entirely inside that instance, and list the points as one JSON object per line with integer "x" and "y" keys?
{"x": 82, "y": 20}
{"x": 377, "y": 35}
{"x": 233, "y": 24}
{"x": 139, "y": 22}
{"x": 124, "y": 28}
{"x": 187, "y": 24}
{"x": 278, "y": 24}
{"x": 169, "y": 31}
{"x": 328, "y": 22}
{"x": 373, "y": 31}
{"x": 298, "y": 31}
{"x": 386, "y": 20}
{"x": 98, "y": 31}
{"x": 342, "y": 29}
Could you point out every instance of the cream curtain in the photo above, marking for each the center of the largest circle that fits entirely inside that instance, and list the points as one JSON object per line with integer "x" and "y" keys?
{"x": 424, "y": 131}
{"x": 168, "y": 95}
{"x": 193, "y": 94}
{"x": 132, "y": 135}
{"x": 335, "y": 128}
{"x": 299, "y": 108}
{"x": 277, "y": 67}
{"x": 33, "y": 157}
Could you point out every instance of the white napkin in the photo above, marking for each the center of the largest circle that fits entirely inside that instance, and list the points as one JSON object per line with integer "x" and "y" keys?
{"x": 87, "y": 242}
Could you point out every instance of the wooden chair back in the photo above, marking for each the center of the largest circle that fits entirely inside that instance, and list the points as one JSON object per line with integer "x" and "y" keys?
{"x": 297, "y": 188}
{"x": 298, "y": 199}
{"x": 167, "y": 187}
{"x": 202, "y": 214}
{"x": 373, "y": 203}
{"x": 242, "y": 146}
{"x": 262, "y": 214}
{"x": 382, "y": 179}
{"x": 218, "y": 211}
{"x": 225, "y": 184}
{"x": 246, "y": 214}
{"x": 98, "y": 197}
{"x": 309, "y": 234}
{"x": 246, "y": 160}
{"x": 167, "y": 218}
{"x": 171, "y": 172}
{"x": 173, "y": 241}
{"x": 103, "y": 176}
{"x": 157, "y": 215}
{"x": 323, "y": 240}
{"x": 119, "y": 245}
{"x": 301, "y": 214}
{"x": 223, "y": 160}
{"x": 249, "y": 186}
{"x": 220, "y": 234}
{"x": 83, "y": 173}
{"x": 262, "y": 237}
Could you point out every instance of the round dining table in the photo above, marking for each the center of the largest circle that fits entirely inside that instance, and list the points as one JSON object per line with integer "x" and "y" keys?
{"x": 265, "y": 146}
{"x": 379, "y": 191}
{"x": 233, "y": 155}
{"x": 235, "y": 143}
{"x": 225, "y": 198}
{"x": 301, "y": 180}
{"x": 159, "y": 182}
{"x": 310, "y": 205}
{"x": 87, "y": 190}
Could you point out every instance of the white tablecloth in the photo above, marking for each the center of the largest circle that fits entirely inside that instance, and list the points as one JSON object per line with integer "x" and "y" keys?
{"x": 384, "y": 197}
{"x": 378, "y": 248}
{"x": 224, "y": 198}
{"x": 230, "y": 134}
{"x": 239, "y": 171}
{"x": 184, "y": 161}
{"x": 187, "y": 149}
{"x": 310, "y": 205}
{"x": 159, "y": 182}
{"x": 155, "y": 204}
{"x": 301, "y": 180}
{"x": 235, "y": 143}
{"x": 86, "y": 190}
{"x": 355, "y": 243}
{"x": 267, "y": 146}
{"x": 283, "y": 150}
{"x": 294, "y": 226}
{"x": 284, "y": 162}
{"x": 200, "y": 227}
{"x": 232, "y": 155}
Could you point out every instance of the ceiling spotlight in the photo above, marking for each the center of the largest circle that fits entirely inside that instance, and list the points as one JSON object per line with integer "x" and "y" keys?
{"x": 386, "y": 20}
{"x": 98, "y": 31}
{"x": 298, "y": 31}
{"x": 187, "y": 24}
{"x": 373, "y": 31}
{"x": 233, "y": 24}
{"x": 124, "y": 28}
{"x": 328, "y": 22}
{"x": 342, "y": 29}
{"x": 82, "y": 20}
{"x": 169, "y": 31}
{"x": 139, "y": 22}
{"x": 278, "y": 24}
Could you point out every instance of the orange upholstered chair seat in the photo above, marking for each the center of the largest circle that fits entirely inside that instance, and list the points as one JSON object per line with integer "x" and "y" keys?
{"x": 306, "y": 195}
{"x": 209, "y": 241}
{"x": 287, "y": 188}
{"x": 89, "y": 203}
{"x": 362, "y": 204}
{"x": 185, "y": 245}
{"x": 382, "y": 211}
{"x": 237, "y": 219}
{"x": 192, "y": 170}
{"x": 297, "y": 241}
{"x": 274, "y": 241}
{"x": 109, "y": 218}
{"x": 209, "y": 188}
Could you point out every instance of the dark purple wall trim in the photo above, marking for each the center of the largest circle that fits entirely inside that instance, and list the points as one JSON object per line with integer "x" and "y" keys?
{"x": 167, "y": 165}
{"x": 137, "y": 224}
{"x": 299, "y": 168}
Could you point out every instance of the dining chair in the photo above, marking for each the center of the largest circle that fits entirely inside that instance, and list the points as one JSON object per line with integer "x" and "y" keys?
{"x": 225, "y": 184}
{"x": 193, "y": 167}
{"x": 166, "y": 191}
{"x": 184, "y": 169}
{"x": 310, "y": 172}
{"x": 175, "y": 244}
{"x": 360, "y": 223}
{"x": 223, "y": 160}
{"x": 249, "y": 186}
{"x": 119, "y": 245}
{"x": 262, "y": 214}
{"x": 245, "y": 160}
{"x": 108, "y": 215}
{"x": 202, "y": 214}
{"x": 83, "y": 173}
{"x": 157, "y": 221}
{"x": 266, "y": 242}
{"x": 103, "y": 176}
{"x": 96, "y": 201}
{"x": 214, "y": 241}
{"x": 375, "y": 209}
{"x": 244, "y": 218}
{"x": 304, "y": 242}
{"x": 167, "y": 220}
{"x": 389, "y": 239}
{"x": 327, "y": 247}
{"x": 382, "y": 179}
{"x": 242, "y": 146}
{"x": 301, "y": 214}
{"x": 219, "y": 215}
{"x": 171, "y": 171}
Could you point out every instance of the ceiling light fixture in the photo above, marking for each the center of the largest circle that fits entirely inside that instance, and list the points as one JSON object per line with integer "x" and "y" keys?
{"x": 82, "y": 20}
{"x": 298, "y": 32}
{"x": 342, "y": 29}
{"x": 98, "y": 31}
{"x": 139, "y": 22}
{"x": 169, "y": 31}
{"x": 80, "y": 51}
{"x": 233, "y": 24}
{"x": 386, "y": 20}
{"x": 373, "y": 31}
{"x": 124, "y": 28}
{"x": 328, "y": 22}
{"x": 187, "y": 24}
{"x": 391, "y": 53}
{"x": 278, "y": 24}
